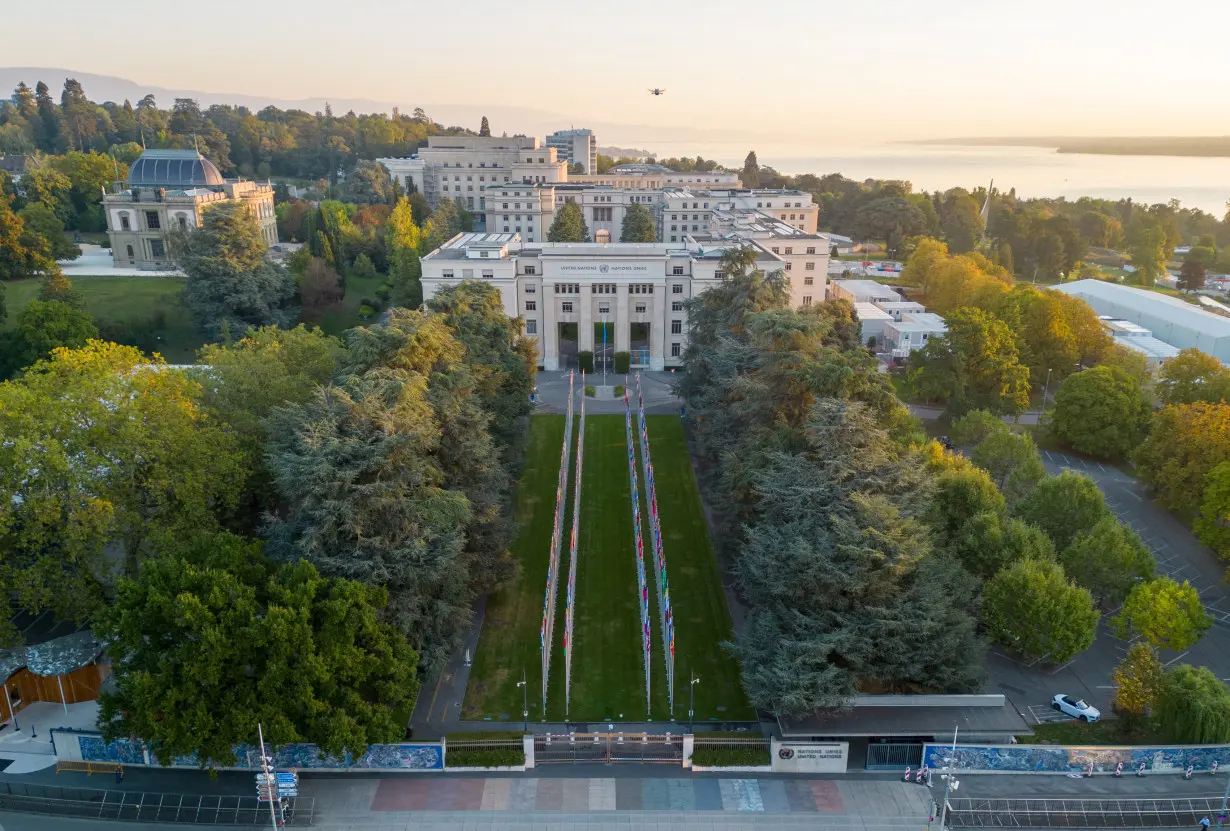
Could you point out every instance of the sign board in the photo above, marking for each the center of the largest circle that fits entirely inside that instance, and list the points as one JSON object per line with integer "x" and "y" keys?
{"x": 809, "y": 757}
{"x": 592, "y": 269}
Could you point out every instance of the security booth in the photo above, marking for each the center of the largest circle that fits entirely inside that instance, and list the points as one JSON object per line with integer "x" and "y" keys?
{"x": 887, "y": 732}
{"x": 59, "y": 664}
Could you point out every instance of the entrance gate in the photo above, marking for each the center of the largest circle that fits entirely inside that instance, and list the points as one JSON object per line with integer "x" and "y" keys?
{"x": 893, "y": 755}
{"x": 607, "y": 748}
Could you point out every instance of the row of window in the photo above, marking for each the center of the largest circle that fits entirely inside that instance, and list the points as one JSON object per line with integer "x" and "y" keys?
{"x": 694, "y": 228}
{"x": 685, "y": 217}
{"x": 603, "y": 214}
{"x": 784, "y": 205}
{"x": 531, "y": 328}
{"x": 811, "y": 249}
{"x": 806, "y": 267}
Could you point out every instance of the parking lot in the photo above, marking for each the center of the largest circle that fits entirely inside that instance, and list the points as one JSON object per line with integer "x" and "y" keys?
{"x": 1031, "y": 684}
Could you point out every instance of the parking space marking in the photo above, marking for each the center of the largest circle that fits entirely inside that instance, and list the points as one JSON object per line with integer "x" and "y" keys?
{"x": 1046, "y": 714}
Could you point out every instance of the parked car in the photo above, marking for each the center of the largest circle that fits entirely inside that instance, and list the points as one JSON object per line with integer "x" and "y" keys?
{"x": 1076, "y": 708}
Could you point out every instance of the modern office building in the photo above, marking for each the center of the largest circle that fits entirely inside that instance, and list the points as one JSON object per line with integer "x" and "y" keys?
{"x": 563, "y": 290}
{"x": 1170, "y": 319}
{"x": 170, "y": 190}
{"x": 910, "y": 332}
{"x": 465, "y": 167}
{"x": 576, "y": 147}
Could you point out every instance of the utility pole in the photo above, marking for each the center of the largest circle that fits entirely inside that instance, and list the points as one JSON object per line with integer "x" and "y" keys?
{"x": 691, "y": 700}
{"x": 952, "y": 784}
{"x": 1225, "y": 797}
{"x": 270, "y": 780}
{"x": 1045, "y": 388}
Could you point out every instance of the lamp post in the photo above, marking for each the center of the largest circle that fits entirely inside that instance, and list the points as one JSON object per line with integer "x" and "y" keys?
{"x": 525, "y": 704}
{"x": 1045, "y": 388}
{"x": 1225, "y": 797}
{"x": 604, "y": 354}
{"x": 952, "y": 783}
{"x": 691, "y": 700}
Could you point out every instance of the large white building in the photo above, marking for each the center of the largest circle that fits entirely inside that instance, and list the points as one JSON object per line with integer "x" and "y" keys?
{"x": 563, "y": 290}
{"x": 576, "y": 147}
{"x": 1170, "y": 319}
{"x": 529, "y": 209}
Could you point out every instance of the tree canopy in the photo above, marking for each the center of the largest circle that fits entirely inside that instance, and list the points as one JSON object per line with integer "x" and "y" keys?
{"x": 1101, "y": 411}
{"x": 1164, "y": 614}
{"x": 974, "y": 365}
{"x": 1187, "y": 441}
{"x": 638, "y": 225}
{"x": 1064, "y": 506}
{"x": 1194, "y": 706}
{"x": 1032, "y": 609}
{"x": 569, "y": 225}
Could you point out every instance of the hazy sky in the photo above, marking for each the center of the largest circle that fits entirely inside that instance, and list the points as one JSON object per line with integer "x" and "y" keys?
{"x": 811, "y": 69}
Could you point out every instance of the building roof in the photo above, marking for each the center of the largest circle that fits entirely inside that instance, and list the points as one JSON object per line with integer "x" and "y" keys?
{"x": 913, "y": 715}
{"x": 920, "y": 322}
{"x": 13, "y": 163}
{"x": 1149, "y": 346}
{"x": 870, "y": 311}
{"x": 52, "y": 647}
{"x": 1126, "y": 298}
{"x": 867, "y": 288}
{"x": 179, "y": 169}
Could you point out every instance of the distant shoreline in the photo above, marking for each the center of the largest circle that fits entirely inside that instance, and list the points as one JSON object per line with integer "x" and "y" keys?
{"x": 1175, "y": 146}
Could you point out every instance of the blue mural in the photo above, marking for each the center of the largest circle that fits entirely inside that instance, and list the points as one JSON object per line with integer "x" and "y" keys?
{"x": 126, "y": 751}
{"x": 298, "y": 756}
{"x": 1023, "y": 758}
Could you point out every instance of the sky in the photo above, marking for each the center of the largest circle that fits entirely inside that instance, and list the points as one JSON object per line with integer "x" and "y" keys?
{"x": 800, "y": 71}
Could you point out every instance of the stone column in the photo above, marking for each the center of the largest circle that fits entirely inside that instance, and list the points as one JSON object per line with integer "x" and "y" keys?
{"x": 549, "y": 336}
{"x": 585, "y": 328}
{"x": 657, "y": 329}
{"x": 623, "y": 323}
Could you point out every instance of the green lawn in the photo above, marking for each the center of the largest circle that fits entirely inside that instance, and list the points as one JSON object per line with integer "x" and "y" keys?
{"x": 345, "y": 315}
{"x": 113, "y": 301}
{"x": 608, "y": 675}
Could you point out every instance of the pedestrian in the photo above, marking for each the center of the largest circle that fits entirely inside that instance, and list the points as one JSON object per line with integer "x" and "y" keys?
{"x": 1204, "y": 824}
{"x": 119, "y": 774}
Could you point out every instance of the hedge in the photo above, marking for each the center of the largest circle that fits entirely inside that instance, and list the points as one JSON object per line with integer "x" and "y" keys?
{"x": 730, "y": 756}
{"x": 485, "y": 757}
{"x": 586, "y": 361}
{"x": 590, "y": 391}
{"x": 623, "y": 362}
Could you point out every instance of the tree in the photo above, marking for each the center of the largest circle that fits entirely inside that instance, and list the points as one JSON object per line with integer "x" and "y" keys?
{"x": 55, "y": 286}
{"x": 230, "y": 284}
{"x": 104, "y": 448}
{"x": 1109, "y": 559}
{"x": 750, "y": 175}
{"x": 403, "y": 242}
{"x": 975, "y": 426}
{"x": 485, "y": 128}
{"x": 369, "y": 183}
{"x": 960, "y": 495}
{"x": 42, "y": 327}
{"x": 1139, "y": 680}
{"x": 1191, "y": 275}
{"x": 638, "y": 225}
{"x": 1101, "y": 411}
{"x": 972, "y": 366}
{"x": 961, "y": 219}
{"x": 1191, "y": 376}
{"x": 319, "y": 287}
{"x": 49, "y": 119}
{"x": 1194, "y": 706}
{"x": 1213, "y": 524}
{"x": 887, "y": 216}
{"x": 1012, "y": 460}
{"x": 1031, "y": 608}
{"x": 42, "y": 222}
{"x": 1187, "y": 441}
{"x": 991, "y": 542}
{"x": 1063, "y": 506}
{"x": 569, "y": 225}
{"x": 1146, "y": 247}
{"x": 210, "y": 639}
{"x": 1163, "y": 614}
{"x": 17, "y": 258}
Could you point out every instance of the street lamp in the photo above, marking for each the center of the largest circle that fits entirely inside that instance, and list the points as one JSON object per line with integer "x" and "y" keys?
{"x": 604, "y": 352}
{"x": 525, "y": 704}
{"x": 1045, "y": 388}
{"x": 691, "y": 700}
{"x": 1225, "y": 797}
{"x": 952, "y": 783}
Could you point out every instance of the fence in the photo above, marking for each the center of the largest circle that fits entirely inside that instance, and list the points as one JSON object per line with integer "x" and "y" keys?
{"x": 1081, "y": 813}
{"x": 138, "y": 806}
{"x": 1040, "y": 758}
{"x": 893, "y": 755}
{"x": 553, "y": 748}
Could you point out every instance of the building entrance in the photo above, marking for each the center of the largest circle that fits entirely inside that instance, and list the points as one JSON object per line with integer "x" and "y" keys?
{"x": 604, "y": 353}
{"x": 568, "y": 346}
{"x": 640, "y": 344}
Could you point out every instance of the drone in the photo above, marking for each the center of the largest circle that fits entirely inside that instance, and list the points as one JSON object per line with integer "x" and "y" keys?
{"x": 656, "y": 91}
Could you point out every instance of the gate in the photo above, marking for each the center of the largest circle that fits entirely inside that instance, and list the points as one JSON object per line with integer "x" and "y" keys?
{"x": 893, "y": 755}
{"x": 607, "y": 748}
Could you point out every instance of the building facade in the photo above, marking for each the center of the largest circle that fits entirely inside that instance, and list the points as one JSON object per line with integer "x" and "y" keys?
{"x": 576, "y": 147}
{"x": 565, "y": 292}
{"x": 690, "y": 211}
{"x": 170, "y": 190}
{"x": 658, "y": 177}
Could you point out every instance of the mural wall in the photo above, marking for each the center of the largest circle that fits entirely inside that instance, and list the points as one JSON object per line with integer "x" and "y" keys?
{"x": 1029, "y": 758}
{"x": 417, "y": 756}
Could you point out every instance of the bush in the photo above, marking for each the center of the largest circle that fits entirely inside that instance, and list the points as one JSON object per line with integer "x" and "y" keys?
{"x": 366, "y": 311}
{"x": 586, "y": 361}
{"x": 362, "y": 268}
{"x": 719, "y": 756}
{"x": 623, "y": 363}
{"x": 485, "y": 757}
{"x": 619, "y": 390}
{"x": 590, "y": 391}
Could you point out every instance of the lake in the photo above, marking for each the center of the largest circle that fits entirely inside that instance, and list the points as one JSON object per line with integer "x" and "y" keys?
{"x": 1034, "y": 171}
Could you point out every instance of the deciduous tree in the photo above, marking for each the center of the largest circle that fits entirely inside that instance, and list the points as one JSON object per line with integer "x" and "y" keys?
{"x": 210, "y": 639}
{"x": 1187, "y": 441}
{"x": 41, "y": 327}
{"x": 1139, "y": 680}
{"x": 1192, "y": 376}
{"x": 1109, "y": 559}
{"x": 1164, "y": 614}
{"x": 1012, "y": 460}
{"x": 1064, "y": 506}
{"x": 1194, "y": 706}
{"x": 974, "y": 365}
{"x": 1031, "y": 608}
{"x": 1101, "y": 411}
{"x": 991, "y": 542}
{"x": 1213, "y": 524}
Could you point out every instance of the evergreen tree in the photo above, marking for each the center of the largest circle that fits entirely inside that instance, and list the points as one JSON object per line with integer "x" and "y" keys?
{"x": 750, "y": 176}
{"x": 638, "y": 225}
{"x": 485, "y": 128}
{"x": 569, "y": 225}
{"x": 49, "y": 119}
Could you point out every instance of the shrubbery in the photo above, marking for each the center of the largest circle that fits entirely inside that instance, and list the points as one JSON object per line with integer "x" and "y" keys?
{"x": 719, "y": 756}
{"x": 485, "y": 757}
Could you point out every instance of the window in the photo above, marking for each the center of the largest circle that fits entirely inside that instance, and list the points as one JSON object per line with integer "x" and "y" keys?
{"x": 811, "y": 249}
{"x": 640, "y": 288}
{"x": 531, "y": 269}
{"x": 567, "y": 288}
{"x": 130, "y": 254}
{"x": 640, "y": 308}
{"x": 488, "y": 274}
{"x": 788, "y": 266}
{"x": 674, "y": 216}
{"x": 604, "y": 308}
{"x": 672, "y": 238}
{"x": 677, "y": 271}
{"x": 531, "y": 289}
{"x": 157, "y": 249}
{"x": 505, "y": 206}
{"x": 808, "y": 280}
{"x": 467, "y": 274}
{"x": 807, "y": 300}
{"x": 789, "y": 250}
{"x": 677, "y": 306}
{"x": 124, "y": 224}
{"x": 531, "y": 305}
{"x": 676, "y": 327}
{"x": 531, "y": 327}
{"x": 151, "y": 220}
{"x": 674, "y": 228}
{"x": 809, "y": 267}
{"x": 719, "y": 275}
{"x": 774, "y": 250}
{"x": 602, "y": 288}
{"x": 674, "y": 350}
{"x": 677, "y": 288}
{"x": 446, "y": 275}
{"x": 566, "y": 307}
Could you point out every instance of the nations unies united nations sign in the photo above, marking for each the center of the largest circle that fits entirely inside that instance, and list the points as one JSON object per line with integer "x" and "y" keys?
{"x": 601, "y": 269}
{"x": 798, "y": 757}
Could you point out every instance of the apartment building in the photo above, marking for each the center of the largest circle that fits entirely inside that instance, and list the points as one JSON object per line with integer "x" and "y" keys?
{"x": 576, "y": 147}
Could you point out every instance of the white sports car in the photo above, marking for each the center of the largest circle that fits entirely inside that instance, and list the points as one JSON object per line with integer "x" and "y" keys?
{"x": 1075, "y": 707}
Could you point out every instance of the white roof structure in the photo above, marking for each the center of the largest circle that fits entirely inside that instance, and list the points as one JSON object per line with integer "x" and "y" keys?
{"x": 866, "y": 291}
{"x": 870, "y": 311}
{"x": 920, "y": 322}
{"x": 1171, "y": 320}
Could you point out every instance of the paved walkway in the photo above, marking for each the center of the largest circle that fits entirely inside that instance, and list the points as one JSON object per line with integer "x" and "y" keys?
{"x": 601, "y": 802}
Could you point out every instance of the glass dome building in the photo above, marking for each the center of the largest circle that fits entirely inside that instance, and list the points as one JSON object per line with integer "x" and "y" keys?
{"x": 173, "y": 170}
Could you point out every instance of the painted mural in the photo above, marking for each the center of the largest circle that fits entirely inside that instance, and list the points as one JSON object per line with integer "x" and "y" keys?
{"x": 296, "y": 756}
{"x": 1023, "y": 758}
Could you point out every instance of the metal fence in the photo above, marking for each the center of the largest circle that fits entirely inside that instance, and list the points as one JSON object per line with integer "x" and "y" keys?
{"x": 552, "y": 748}
{"x": 893, "y": 755}
{"x": 1081, "y": 813}
{"x": 139, "y": 806}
